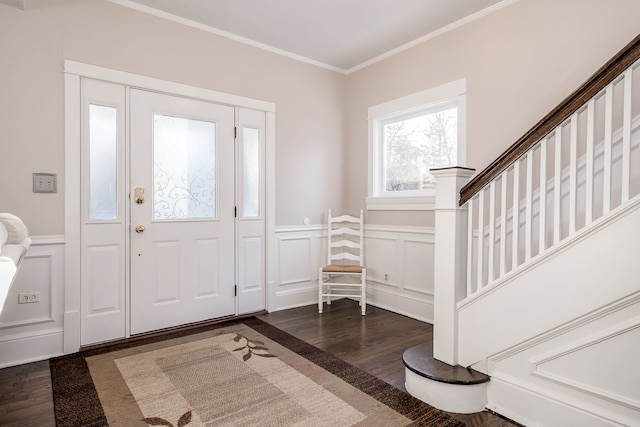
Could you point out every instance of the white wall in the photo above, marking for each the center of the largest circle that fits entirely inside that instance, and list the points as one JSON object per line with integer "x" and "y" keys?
{"x": 34, "y": 42}
{"x": 519, "y": 62}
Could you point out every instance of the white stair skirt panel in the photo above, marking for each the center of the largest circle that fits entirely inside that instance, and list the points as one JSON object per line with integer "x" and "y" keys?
{"x": 458, "y": 398}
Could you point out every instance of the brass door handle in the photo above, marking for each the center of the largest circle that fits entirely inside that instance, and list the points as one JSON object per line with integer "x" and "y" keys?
{"x": 138, "y": 195}
{"x": 139, "y": 228}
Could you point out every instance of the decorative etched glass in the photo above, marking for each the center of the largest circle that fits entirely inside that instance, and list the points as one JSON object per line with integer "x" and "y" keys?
{"x": 250, "y": 173}
{"x": 103, "y": 163}
{"x": 184, "y": 168}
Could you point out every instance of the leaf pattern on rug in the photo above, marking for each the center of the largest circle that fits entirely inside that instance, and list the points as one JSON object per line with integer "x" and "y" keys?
{"x": 184, "y": 419}
{"x": 157, "y": 421}
{"x": 251, "y": 346}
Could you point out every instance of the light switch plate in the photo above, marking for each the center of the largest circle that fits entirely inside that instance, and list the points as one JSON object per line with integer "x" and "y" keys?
{"x": 44, "y": 183}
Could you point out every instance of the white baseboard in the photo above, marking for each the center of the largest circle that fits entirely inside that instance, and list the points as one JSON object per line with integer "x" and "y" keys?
{"x": 525, "y": 404}
{"x": 298, "y": 297}
{"x": 30, "y": 348}
{"x": 418, "y": 309}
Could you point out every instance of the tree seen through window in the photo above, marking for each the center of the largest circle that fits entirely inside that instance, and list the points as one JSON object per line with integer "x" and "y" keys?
{"x": 413, "y": 146}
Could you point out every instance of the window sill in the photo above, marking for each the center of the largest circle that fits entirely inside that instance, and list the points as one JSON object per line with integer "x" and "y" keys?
{"x": 420, "y": 203}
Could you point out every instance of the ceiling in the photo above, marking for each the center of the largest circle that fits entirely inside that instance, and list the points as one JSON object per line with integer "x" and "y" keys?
{"x": 343, "y": 35}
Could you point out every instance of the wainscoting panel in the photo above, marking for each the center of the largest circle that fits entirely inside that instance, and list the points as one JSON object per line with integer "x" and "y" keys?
{"x": 418, "y": 278}
{"x": 33, "y": 331}
{"x": 399, "y": 262}
{"x": 298, "y": 256}
{"x": 584, "y": 372}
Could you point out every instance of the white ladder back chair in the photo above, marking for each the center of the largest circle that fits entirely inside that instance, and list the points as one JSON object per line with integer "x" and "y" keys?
{"x": 344, "y": 276}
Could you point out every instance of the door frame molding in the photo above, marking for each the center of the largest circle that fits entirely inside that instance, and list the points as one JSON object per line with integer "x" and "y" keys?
{"x": 73, "y": 72}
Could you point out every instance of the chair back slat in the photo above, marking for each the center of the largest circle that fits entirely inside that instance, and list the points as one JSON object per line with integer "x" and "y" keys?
{"x": 344, "y": 239}
{"x": 346, "y": 218}
{"x": 345, "y": 230}
{"x": 345, "y": 255}
{"x": 345, "y": 243}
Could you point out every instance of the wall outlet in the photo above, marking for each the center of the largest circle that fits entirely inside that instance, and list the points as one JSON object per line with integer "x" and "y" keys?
{"x": 44, "y": 183}
{"x": 28, "y": 297}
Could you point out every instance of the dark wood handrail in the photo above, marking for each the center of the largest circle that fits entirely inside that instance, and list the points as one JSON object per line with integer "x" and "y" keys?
{"x": 605, "y": 75}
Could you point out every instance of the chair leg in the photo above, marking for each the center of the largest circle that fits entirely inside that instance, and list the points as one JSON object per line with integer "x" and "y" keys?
{"x": 320, "y": 278}
{"x": 363, "y": 296}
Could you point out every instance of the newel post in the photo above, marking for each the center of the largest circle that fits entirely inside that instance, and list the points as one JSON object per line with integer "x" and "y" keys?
{"x": 450, "y": 260}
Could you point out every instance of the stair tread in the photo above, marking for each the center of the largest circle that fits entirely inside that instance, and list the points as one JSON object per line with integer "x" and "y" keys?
{"x": 420, "y": 360}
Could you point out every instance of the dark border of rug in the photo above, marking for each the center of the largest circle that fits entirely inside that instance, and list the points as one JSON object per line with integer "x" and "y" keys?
{"x": 76, "y": 401}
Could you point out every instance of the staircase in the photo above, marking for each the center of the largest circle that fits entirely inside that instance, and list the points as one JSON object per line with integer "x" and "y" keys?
{"x": 543, "y": 291}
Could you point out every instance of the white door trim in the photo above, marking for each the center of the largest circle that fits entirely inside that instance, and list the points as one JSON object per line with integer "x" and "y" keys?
{"x": 73, "y": 72}
{"x": 143, "y": 82}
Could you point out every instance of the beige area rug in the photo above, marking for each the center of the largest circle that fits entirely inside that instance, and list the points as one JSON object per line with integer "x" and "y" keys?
{"x": 243, "y": 372}
{"x": 236, "y": 378}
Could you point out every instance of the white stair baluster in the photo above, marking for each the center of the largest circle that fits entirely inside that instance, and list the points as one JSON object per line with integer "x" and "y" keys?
{"x": 492, "y": 230}
{"x": 557, "y": 187}
{"x": 516, "y": 216}
{"x": 480, "y": 282}
{"x": 543, "y": 196}
{"x": 503, "y": 224}
{"x": 573, "y": 173}
{"x": 626, "y": 134}
{"x": 589, "y": 160}
{"x": 528, "y": 219}
{"x": 608, "y": 136}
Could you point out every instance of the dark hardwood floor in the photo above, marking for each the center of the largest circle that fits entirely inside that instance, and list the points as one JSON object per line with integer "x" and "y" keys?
{"x": 25, "y": 395}
{"x": 374, "y": 343}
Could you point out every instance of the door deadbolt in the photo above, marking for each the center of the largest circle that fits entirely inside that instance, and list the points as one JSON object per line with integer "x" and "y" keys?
{"x": 138, "y": 195}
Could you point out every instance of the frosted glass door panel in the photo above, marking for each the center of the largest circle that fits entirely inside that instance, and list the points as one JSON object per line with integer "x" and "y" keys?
{"x": 251, "y": 173}
{"x": 184, "y": 168}
{"x": 103, "y": 163}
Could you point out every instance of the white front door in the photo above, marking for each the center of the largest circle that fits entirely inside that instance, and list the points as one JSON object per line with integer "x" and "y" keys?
{"x": 182, "y": 211}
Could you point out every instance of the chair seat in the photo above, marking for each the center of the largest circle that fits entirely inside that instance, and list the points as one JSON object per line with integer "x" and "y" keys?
{"x": 336, "y": 268}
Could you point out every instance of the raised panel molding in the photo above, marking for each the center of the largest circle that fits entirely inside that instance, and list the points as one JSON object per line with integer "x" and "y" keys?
{"x": 610, "y": 352}
{"x": 35, "y": 275}
{"x": 208, "y": 267}
{"x": 104, "y": 273}
{"x": 622, "y": 304}
{"x": 30, "y": 332}
{"x": 583, "y": 372}
{"x": 251, "y": 260}
{"x": 294, "y": 255}
{"x": 381, "y": 264}
{"x": 415, "y": 254}
{"x": 166, "y": 276}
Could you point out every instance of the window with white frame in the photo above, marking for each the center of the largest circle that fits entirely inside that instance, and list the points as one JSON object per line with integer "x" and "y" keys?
{"x": 408, "y": 137}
